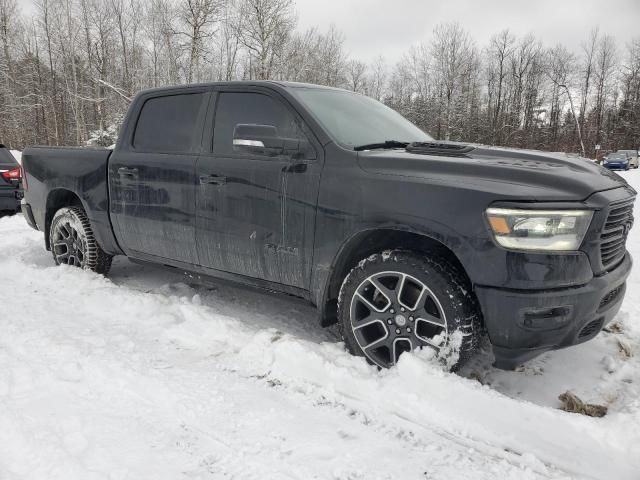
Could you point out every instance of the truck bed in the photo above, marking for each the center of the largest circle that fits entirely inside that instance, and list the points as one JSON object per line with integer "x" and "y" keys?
{"x": 55, "y": 171}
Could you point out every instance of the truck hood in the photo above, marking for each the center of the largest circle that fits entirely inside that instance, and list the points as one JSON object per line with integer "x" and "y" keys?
{"x": 518, "y": 174}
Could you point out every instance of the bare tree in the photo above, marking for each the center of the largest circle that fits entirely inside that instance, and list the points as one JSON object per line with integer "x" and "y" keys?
{"x": 529, "y": 50}
{"x": 356, "y": 75}
{"x": 230, "y": 40}
{"x": 198, "y": 17}
{"x": 154, "y": 28}
{"x": 8, "y": 79}
{"x": 453, "y": 55}
{"x": 268, "y": 25}
{"x": 630, "y": 104}
{"x": 120, "y": 13}
{"x": 501, "y": 47}
{"x": 314, "y": 57}
{"x": 560, "y": 67}
{"x": 377, "y": 78}
{"x": 604, "y": 70}
{"x": 588, "y": 57}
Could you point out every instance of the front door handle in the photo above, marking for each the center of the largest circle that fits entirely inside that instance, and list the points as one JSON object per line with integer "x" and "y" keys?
{"x": 212, "y": 180}
{"x": 298, "y": 167}
{"x": 127, "y": 172}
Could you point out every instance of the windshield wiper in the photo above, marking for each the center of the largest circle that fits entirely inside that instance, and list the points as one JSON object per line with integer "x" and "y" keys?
{"x": 385, "y": 144}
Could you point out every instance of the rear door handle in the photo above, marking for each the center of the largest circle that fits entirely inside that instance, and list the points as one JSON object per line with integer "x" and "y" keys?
{"x": 212, "y": 180}
{"x": 127, "y": 172}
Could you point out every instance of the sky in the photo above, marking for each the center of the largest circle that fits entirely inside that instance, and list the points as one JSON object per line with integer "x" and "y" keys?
{"x": 390, "y": 27}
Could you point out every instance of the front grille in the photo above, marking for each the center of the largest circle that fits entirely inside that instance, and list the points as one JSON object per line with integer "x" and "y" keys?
{"x": 614, "y": 234}
{"x": 591, "y": 328}
{"x": 611, "y": 296}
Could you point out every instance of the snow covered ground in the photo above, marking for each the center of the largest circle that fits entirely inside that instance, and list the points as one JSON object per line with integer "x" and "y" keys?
{"x": 145, "y": 376}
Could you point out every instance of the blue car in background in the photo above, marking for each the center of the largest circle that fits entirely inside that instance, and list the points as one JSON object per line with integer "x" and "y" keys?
{"x": 616, "y": 161}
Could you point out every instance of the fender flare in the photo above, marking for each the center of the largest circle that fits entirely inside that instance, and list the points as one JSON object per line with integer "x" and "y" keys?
{"x": 442, "y": 235}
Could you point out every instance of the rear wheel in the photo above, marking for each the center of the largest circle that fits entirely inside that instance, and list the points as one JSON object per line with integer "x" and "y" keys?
{"x": 398, "y": 301}
{"x": 73, "y": 242}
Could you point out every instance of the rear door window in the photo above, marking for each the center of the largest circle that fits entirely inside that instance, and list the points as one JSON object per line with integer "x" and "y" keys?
{"x": 170, "y": 124}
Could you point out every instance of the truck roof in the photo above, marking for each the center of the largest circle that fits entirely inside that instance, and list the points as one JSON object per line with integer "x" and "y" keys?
{"x": 254, "y": 83}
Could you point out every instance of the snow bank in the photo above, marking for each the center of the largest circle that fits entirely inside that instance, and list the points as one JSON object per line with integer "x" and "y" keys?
{"x": 144, "y": 376}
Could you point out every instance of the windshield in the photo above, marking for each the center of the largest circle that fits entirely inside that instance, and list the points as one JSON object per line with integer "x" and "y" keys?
{"x": 617, "y": 156}
{"x": 354, "y": 120}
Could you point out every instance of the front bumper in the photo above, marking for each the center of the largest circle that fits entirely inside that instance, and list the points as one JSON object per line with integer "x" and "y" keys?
{"x": 523, "y": 324}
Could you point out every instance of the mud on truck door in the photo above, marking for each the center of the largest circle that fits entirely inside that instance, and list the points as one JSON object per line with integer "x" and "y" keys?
{"x": 152, "y": 178}
{"x": 258, "y": 189}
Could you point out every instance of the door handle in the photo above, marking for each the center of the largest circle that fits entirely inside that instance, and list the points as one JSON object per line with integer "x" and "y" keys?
{"x": 127, "y": 172}
{"x": 212, "y": 180}
{"x": 298, "y": 167}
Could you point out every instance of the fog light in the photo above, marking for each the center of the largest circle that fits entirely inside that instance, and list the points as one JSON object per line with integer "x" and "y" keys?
{"x": 549, "y": 318}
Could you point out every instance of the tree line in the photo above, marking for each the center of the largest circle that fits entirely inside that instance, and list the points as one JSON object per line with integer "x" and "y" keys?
{"x": 68, "y": 69}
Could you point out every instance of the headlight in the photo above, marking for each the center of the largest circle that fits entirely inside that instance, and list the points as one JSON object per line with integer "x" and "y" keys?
{"x": 556, "y": 230}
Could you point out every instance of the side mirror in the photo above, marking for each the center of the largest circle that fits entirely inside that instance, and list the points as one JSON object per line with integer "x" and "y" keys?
{"x": 264, "y": 140}
{"x": 245, "y": 135}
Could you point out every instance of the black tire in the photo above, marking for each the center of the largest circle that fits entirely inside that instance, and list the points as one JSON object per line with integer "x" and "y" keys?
{"x": 73, "y": 242}
{"x": 448, "y": 300}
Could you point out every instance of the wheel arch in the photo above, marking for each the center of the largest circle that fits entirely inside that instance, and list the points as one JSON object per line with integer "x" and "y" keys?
{"x": 371, "y": 241}
{"x": 56, "y": 199}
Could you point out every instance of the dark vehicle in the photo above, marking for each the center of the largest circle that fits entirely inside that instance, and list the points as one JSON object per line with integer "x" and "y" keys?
{"x": 10, "y": 182}
{"x": 634, "y": 160}
{"x": 331, "y": 196}
{"x": 617, "y": 161}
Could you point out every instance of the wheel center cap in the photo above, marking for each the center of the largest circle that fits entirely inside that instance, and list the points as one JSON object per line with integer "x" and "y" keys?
{"x": 400, "y": 320}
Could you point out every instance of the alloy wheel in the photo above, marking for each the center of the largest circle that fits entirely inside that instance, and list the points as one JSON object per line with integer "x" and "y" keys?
{"x": 68, "y": 245}
{"x": 392, "y": 313}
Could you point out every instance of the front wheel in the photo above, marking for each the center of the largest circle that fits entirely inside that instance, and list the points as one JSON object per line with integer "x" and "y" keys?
{"x": 398, "y": 301}
{"x": 73, "y": 243}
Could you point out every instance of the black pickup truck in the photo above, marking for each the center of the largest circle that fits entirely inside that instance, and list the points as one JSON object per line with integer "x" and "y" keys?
{"x": 324, "y": 194}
